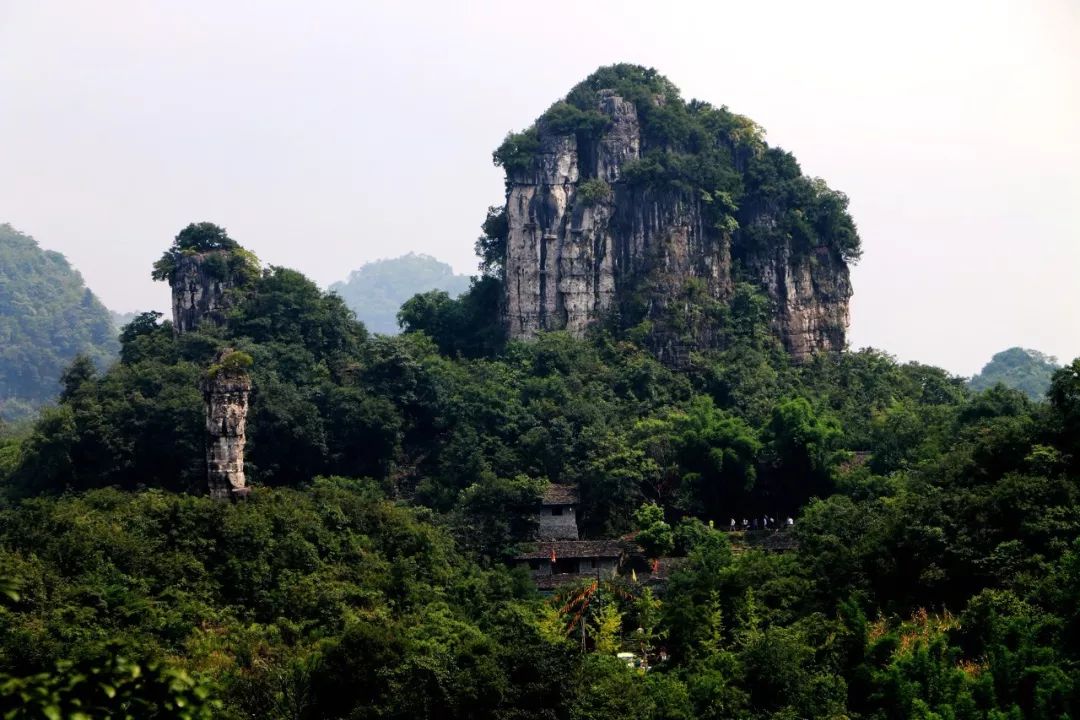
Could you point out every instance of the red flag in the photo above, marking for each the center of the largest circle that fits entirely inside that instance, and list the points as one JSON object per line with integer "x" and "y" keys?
{"x": 553, "y": 554}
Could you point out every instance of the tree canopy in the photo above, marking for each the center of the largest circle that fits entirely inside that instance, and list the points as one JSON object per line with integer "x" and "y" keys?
{"x": 1028, "y": 371}
{"x": 203, "y": 238}
{"x": 934, "y": 571}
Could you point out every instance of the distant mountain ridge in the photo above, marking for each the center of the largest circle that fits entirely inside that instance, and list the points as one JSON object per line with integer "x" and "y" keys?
{"x": 47, "y": 317}
{"x": 376, "y": 290}
{"x": 1028, "y": 371}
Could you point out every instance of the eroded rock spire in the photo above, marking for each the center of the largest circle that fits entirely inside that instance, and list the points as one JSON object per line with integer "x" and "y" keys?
{"x": 225, "y": 394}
{"x": 205, "y": 269}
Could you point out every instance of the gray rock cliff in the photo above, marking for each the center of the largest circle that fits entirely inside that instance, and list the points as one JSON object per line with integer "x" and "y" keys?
{"x": 584, "y": 242}
{"x": 225, "y": 396}
{"x": 200, "y": 286}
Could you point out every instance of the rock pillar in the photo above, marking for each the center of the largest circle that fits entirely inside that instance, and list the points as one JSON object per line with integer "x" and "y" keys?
{"x": 199, "y": 286}
{"x": 225, "y": 394}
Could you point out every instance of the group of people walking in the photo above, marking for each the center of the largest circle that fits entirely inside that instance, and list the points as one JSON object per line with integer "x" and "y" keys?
{"x": 767, "y": 523}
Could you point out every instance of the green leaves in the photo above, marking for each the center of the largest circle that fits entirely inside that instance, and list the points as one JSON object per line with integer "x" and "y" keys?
{"x": 205, "y": 237}
{"x": 9, "y": 588}
{"x": 377, "y": 289}
{"x": 1028, "y": 371}
{"x": 654, "y": 535}
{"x": 591, "y": 192}
{"x": 108, "y": 687}
{"x": 516, "y": 152}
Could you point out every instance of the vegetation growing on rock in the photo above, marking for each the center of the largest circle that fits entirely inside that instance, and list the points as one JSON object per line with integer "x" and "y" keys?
{"x": 622, "y": 199}
{"x": 224, "y": 258}
{"x": 704, "y": 151}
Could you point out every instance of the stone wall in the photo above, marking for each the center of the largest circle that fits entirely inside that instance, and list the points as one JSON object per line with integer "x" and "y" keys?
{"x": 556, "y": 527}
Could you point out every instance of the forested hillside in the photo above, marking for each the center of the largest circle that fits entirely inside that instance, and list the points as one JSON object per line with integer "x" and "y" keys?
{"x": 932, "y": 568}
{"x": 1028, "y": 371}
{"x": 376, "y": 291}
{"x": 940, "y": 576}
{"x": 47, "y": 317}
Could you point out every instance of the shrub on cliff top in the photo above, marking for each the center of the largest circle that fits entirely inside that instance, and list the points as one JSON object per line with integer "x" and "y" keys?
{"x": 702, "y": 152}
{"x": 206, "y": 237}
{"x": 517, "y": 150}
{"x": 232, "y": 364}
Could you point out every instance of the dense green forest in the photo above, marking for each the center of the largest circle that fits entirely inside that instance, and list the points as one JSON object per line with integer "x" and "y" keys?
{"x": 47, "y": 317}
{"x": 376, "y": 291}
{"x": 933, "y": 570}
{"x": 1029, "y": 371}
{"x": 937, "y": 579}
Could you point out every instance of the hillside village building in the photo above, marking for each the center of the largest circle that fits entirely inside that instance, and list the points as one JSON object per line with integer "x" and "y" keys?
{"x": 558, "y": 556}
{"x": 557, "y": 519}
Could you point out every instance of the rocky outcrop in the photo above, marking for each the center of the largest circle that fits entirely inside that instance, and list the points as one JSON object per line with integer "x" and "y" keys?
{"x": 561, "y": 247}
{"x": 225, "y": 395}
{"x": 810, "y": 297}
{"x": 200, "y": 290}
{"x": 585, "y": 243}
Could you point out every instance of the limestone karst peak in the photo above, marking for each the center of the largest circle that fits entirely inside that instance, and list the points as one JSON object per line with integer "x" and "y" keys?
{"x": 623, "y": 200}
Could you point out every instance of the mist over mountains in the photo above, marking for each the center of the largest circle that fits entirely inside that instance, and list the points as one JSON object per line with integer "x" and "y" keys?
{"x": 377, "y": 290}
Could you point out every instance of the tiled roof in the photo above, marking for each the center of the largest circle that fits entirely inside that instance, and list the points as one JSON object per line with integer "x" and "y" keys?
{"x": 560, "y": 495}
{"x": 572, "y": 549}
{"x": 550, "y": 582}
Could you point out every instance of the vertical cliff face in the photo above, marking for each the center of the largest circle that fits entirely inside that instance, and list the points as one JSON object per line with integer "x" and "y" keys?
{"x": 618, "y": 220}
{"x": 810, "y": 298}
{"x": 564, "y": 248}
{"x": 225, "y": 396}
{"x": 200, "y": 288}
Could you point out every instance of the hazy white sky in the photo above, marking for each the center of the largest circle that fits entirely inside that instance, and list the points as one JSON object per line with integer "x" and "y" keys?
{"x": 325, "y": 134}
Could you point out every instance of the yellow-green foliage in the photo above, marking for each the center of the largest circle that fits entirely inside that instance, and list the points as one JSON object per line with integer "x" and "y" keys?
{"x": 593, "y": 191}
{"x": 234, "y": 363}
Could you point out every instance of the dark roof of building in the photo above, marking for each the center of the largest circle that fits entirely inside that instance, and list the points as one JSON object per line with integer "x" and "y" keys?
{"x": 550, "y": 582}
{"x": 572, "y": 549}
{"x": 560, "y": 495}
